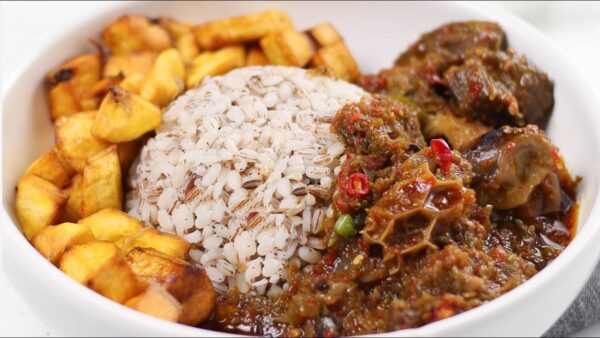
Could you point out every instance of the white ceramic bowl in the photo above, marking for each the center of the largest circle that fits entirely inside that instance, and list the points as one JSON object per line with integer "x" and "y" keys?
{"x": 376, "y": 33}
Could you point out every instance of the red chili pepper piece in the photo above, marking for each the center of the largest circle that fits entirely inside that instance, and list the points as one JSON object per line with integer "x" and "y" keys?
{"x": 442, "y": 152}
{"x": 355, "y": 117}
{"x": 357, "y": 185}
{"x": 475, "y": 88}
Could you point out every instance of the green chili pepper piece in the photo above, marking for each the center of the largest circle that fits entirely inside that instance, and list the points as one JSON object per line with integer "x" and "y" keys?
{"x": 344, "y": 226}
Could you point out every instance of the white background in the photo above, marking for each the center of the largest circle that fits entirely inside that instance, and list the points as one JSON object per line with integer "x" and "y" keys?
{"x": 574, "y": 26}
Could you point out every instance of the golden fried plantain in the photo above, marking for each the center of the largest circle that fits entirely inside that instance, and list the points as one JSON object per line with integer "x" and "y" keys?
{"x": 256, "y": 57}
{"x": 287, "y": 48}
{"x": 124, "y": 116}
{"x": 187, "y": 47}
{"x": 81, "y": 262}
{"x": 181, "y": 33}
{"x": 72, "y": 210}
{"x": 75, "y": 141}
{"x": 174, "y": 27}
{"x": 102, "y": 187}
{"x": 156, "y": 301}
{"x": 195, "y": 292}
{"x": 69, "y": 84}
{"x": 38, "y": 204}
{"x": 116, "y": 281}
{"x": 128, "y": 151}
{"x": 52, "y": 241}
{"x": 150, "y": 265}
{"x": 101, "y": 266}
{"x": 235, "y": 30}
{"x": 187, "y": 283}
{"x": 130, "y": 63}
{"x": 134, "y": 33}
{"x": 94, "y": 96}
{"x": 151, "y": 238}
{"x": 215, "y": 63}
{"x": 338, "y": 60}
{"x": 111, "y": 224}
{"x": 165, "y": 80}
{"x": 51, "y": 167}
{"x": 133, "y": 83}
{"x": 324, "y": 35}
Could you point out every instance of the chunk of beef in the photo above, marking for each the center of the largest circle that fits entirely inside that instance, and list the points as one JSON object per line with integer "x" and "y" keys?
{"x": 478, "y": 95}
{"x": 501, "y": 88}
{"x": 518, "y": 168}
{"x": 532, "y": 88}
{"x": 407, "y": 83}
{"x": 452, "y": 43}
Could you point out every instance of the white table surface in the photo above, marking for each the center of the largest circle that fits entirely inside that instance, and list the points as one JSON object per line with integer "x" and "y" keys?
{"x": 21, "y": 23}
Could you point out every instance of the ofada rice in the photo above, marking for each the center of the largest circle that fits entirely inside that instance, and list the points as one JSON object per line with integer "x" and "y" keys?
{"x": 242, "y": 168}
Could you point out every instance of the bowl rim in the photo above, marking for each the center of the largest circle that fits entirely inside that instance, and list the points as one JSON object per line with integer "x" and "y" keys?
{"x": 582, "y": 240}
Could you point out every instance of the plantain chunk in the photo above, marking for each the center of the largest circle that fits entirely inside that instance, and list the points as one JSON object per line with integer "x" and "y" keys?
{"x": 134, "y": 33}
{"x": 124, "y": 116}
{"x": 83, "y": 261}
{"x": 52, "y": 241}
{"x": 111, "y": 224}
{"x": 324, "y": 35}
{"x": 151, "y": 238}
{"x": 75, "y": 141}
{"x": 130, "y": 63}
{"x": 181, "y": 33}
{"x": 72, "y": 210}
{"x": 187, "y": 283}
{"x": 101, "y": 266}
{"x": 128, "y": 151}
{"x": 156, "y": 301}
{"x": 69, "y": 84}
{"x": 235, "y": 30}
{"x": 116, "y": 281}
{"x": 38, "y": 204}
{"x": 175, "y": 28}
{"x": 338, "y": 60}
{"x": 151, "y": 265}
{"x": 287, "y": 48}
{"x": 187, "y": 47}
{"x": 215, "y": 63}
{"x": 165, "y": 80}
{"x": 102, "y": 186}
{"x": 52, "y": 167}
{"x": 133, "y": 83}
{"x": 256, "y": 57}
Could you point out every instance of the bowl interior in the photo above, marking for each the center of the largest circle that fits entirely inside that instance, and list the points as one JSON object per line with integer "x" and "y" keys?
{"x": 376, "y": 32}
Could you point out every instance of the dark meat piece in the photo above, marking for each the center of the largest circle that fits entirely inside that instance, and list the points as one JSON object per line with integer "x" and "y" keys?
{"x": 532, "y": 88}
{"x": 518, "y": 167}
{"x": 459, "y": 131}
{"x": 407, "y": 83}
{"x": 452, "y": 43}
{"x": 477, "y": 94}
{"x": 501, "y": 88}
{"x": 378, "y": 126}
{"x": 425, "y": 202}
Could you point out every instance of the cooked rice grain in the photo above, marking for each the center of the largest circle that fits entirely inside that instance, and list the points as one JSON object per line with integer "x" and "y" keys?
{"x": 242, "y": 168}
